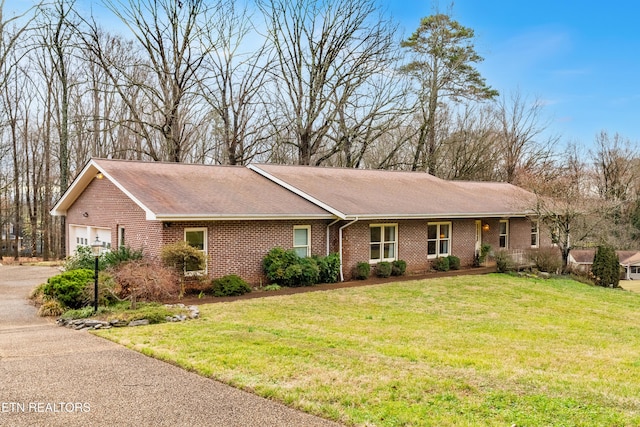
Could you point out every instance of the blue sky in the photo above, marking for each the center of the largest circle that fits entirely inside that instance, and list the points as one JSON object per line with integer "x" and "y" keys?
{"x": 581, "y": 58}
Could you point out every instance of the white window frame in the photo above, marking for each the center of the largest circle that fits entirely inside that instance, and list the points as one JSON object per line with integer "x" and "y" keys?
{"x": 306, "y": 247}
{"x": 438, "y": 240}
{"x": 204, "y": 249}
{"x": 504, "y": 235}
{"x": 384, "y": 242}
{"x": 535, "y": 233}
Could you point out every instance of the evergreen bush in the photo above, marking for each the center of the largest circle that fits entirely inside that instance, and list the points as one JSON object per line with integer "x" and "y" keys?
{"x": 440, "y": 264}
{"x": 398, "y": 268}
{"x": 383, "y": 269}
{"x": 454, "y": 262}
{"x": 68, "y": 287}
{"x": 329, "y": 267}
{"x": 362, "y": 271}
{"x": 606, "y": 267}
{"x": 229, "y": 285}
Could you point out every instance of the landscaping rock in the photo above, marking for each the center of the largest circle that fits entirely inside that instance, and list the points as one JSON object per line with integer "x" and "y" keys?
{"x": 87, "y": 324}
{"x": 140, "y": 322}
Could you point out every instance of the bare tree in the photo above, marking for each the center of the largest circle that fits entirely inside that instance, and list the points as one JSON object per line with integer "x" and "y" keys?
{"x": 168, "y": 33}
{"x": 325, "y": 52}
{"x": 235, "y": 83}
{"x": 520, "y": 138}
{"x": 615, "y": 172}
{"x": 572, "y": 213}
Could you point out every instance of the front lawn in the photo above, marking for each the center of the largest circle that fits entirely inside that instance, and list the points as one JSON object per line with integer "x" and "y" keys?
{"x": 462, "y": 351}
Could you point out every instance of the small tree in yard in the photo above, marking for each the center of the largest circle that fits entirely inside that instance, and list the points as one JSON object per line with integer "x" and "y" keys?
{"x": 606, "y": 267}
{"x": 183, "y": 258}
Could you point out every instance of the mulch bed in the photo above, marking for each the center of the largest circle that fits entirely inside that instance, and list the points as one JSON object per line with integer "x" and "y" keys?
{"x": 195, "y": 300}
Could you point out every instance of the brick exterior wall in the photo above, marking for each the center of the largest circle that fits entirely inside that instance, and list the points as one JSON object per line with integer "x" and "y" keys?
{"x": 412, "y": 241}
{"x": 237, "y": 247}
{"x": 108, "y": 207}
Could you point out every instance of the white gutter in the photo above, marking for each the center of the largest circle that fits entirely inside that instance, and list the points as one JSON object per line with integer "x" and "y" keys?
{"x": 329, "y": 226}
{"x": 340, "y": 245}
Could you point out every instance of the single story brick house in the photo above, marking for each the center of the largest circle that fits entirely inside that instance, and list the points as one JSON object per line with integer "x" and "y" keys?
{"x": 236, "y": 214}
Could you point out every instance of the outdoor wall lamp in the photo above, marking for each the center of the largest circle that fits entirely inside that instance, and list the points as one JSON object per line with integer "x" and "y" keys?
{"x": 485, "y": 227}
{"x": 96, "y": 248}
{"x": 99, "y": 175}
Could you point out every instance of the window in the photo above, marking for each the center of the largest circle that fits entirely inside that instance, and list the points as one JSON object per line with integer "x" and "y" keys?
{"x": 302, "y": 240}
{"x": 196, "y": 237}
{"x": 504, "y": 233}
{"x": 121, "y": 237}
{"x": 382, "y": 242}
{"x": 535, "y": 233}
{"x": 438, "y": 239}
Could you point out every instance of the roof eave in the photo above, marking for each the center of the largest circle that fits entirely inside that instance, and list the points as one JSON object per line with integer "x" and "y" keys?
{"x": 471, "y": 215}
{"x": 239, "y": 217}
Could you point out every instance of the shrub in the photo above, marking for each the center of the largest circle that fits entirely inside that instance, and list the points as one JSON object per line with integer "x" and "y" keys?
{"x": 83, "y": 259}
{"x": 272, "y": 287}
{"x": 383, "y": 269}
{"x": 286, "y": 267}
{"x": 78, "y": 313}
{"x": 606, "y": 267}
{"x": 145, "y": 280}
{"x": 182, "y": 257}
{"x": 106, "y": 290}
{"x": 454, "y": 262}
{"x": 281, "y": 266}
{"x": 329, "y": 267}
{"x": 547, "y": 259}
{"x": 440, "y": 264}
{"x": 504, "y": 262}
{"x": 68, "y": 287}
{"x": 309, "y": 272}
{"x": 51, "y": 308}
{"x": 229, "y": 285}
{"x": 398, "y": 268}
{"x": 120, "y": 255}
{"x": 362, "y": 271}
{"x": 481, "y": 256}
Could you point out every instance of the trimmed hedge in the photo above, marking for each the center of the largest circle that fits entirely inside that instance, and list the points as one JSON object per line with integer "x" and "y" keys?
{"x": 229, "y": 285}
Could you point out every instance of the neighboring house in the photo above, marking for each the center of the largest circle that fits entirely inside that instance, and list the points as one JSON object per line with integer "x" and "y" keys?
{"x": 582, "y": 260}
{"x": 236, "y": 214}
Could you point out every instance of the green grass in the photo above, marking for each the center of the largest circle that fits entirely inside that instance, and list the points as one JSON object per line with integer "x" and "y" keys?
{"x": 463, "y": 351}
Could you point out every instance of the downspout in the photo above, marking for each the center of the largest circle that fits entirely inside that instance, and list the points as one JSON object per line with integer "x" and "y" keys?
{"x": 340, "y": 245}
{"x": 329, "y": 226}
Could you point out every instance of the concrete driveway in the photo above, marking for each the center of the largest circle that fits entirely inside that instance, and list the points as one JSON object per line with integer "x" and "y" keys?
{"x": 53, "y": 376}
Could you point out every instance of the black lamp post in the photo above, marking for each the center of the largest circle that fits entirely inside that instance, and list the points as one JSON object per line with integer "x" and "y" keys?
{"x": 96, "y": 247}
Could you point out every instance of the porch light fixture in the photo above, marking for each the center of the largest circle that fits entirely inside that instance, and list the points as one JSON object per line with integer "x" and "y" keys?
{"x": 96, "y": 248}
{"x": 99, "y": 175}
{"x": 485, "y": 227}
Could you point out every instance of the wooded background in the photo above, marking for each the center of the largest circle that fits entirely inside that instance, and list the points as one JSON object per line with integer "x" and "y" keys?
{"x": 325, "y": 83}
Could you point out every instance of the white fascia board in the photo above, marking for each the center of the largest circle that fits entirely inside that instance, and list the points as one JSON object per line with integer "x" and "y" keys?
{"x": 80, "y": 184}
{"x": 297, "y": 191}
{"x": 209, "y": 217}
{"x": 440, "y": 216}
